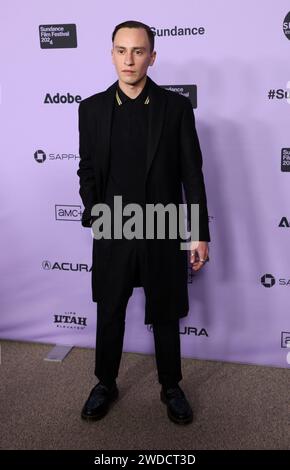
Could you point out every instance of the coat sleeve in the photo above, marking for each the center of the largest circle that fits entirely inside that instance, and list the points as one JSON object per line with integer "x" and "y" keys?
{"x": 191, "y": 171}
{"x": 85, "y": 172}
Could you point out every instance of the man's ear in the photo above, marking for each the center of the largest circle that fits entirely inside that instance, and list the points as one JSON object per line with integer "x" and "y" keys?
{"x": 153, "y": 57}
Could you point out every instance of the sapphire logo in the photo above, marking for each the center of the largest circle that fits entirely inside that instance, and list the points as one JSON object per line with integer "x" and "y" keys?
{"x": 39, "y": 156}
{"x": 268, "y": 280}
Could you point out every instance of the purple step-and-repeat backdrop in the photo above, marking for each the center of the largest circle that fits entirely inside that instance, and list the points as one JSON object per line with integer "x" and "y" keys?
{"x": 232, "y": 60}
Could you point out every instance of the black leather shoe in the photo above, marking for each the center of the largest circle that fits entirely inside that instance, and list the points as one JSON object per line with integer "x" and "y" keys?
{"x": 98, "y": 402}
{"x": 178, "y": 409}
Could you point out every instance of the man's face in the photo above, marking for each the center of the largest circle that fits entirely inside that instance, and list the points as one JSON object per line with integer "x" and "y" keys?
{"x": 131, "y": 52}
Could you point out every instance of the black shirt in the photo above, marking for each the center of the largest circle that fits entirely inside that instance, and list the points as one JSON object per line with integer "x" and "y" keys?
{"x": 128, "y": 147}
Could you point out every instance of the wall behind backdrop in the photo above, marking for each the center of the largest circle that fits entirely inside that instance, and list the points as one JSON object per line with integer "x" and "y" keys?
{"x": 233, "y": 63}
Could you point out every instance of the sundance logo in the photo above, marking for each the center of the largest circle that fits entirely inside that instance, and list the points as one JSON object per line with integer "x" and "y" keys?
{"x": 68, "y": 213}
{"x": 56, "y": 36}
{"x": 65, "y": 266}
{"x": 286, "y": 25}
{"x": 177, "y": 31}
{"x": 61, "y": 99}
{"x": 285, "y": 159}
{"x": 190, "y": 91}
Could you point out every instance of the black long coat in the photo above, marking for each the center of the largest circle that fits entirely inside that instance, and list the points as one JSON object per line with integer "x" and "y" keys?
{"x": 173, "y": 159}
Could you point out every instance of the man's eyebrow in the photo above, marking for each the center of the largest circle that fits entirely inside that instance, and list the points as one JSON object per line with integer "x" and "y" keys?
{"x": 122, "y": 47}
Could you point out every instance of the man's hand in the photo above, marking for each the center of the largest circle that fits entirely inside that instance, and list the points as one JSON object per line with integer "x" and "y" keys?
{"x": 198, "y": 254}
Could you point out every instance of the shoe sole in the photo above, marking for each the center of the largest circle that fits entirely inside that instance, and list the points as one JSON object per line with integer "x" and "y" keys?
{"x": 103, "y": 414}
{"x": 172, "y": 417}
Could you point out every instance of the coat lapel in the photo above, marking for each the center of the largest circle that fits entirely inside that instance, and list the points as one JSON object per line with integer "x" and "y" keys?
{"x": 155, "y": 121}
{"x": 105, "y": 125}
{"x": 156, "y": 116}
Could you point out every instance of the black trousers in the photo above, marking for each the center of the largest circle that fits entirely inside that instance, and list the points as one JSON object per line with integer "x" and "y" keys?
{"x": 126, "y": 270}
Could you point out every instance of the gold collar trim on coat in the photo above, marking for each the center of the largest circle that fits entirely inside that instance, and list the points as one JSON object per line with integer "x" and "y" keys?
{"x": 119, "y": 101}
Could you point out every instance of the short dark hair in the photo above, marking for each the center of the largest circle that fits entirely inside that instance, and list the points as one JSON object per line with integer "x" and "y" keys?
{"x": 136, "y": 24}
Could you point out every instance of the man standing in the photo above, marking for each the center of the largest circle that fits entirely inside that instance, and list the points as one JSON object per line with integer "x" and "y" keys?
{"x": 138, "y": 141}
